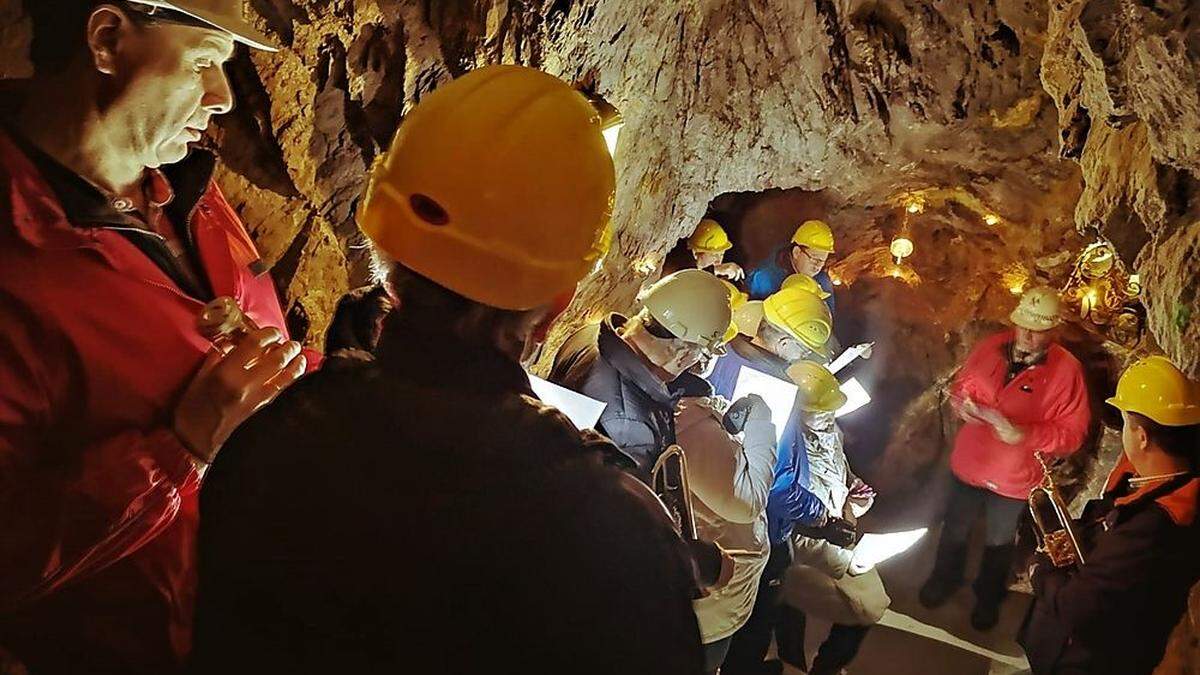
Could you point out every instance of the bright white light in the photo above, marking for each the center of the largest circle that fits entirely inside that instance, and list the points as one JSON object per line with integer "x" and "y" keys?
{"x": 902, "y": 247}
{"x": 779, "y": 395}
{"x": 991, "y": 219}
{"x": 873, "y": 549}
{"x": 610, "y": 137}
{"x": 584, "y": 412}
{"x": 849, "y": 355}
{"x": 856, "y": 397}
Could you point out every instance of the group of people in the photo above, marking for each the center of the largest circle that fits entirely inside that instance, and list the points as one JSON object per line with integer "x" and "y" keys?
{"x": 405, "y": 501}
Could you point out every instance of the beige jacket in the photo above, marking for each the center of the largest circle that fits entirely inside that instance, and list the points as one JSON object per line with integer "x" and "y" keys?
{"x": 730, "y": 480}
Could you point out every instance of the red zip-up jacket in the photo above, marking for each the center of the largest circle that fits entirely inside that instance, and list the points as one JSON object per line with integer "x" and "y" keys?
{"x": 1048, "y": 401}
{"x": 98, "y": 498}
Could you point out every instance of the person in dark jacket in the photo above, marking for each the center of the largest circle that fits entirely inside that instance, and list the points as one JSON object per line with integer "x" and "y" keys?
{"x": 1113, "y": 613}
{"x": 639, "y": 367}
{"x": 423, "y": 511}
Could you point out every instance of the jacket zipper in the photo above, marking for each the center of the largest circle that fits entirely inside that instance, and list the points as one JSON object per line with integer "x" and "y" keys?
{"x": 163, "y": 241}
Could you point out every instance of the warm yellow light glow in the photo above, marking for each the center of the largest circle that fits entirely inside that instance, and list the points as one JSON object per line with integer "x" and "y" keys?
{"x": 991, "y": 219}
{"x": 645, "y": 266}
{"x": 1016, "y": 290}
{"x": 915, "y": 207}
{"x": 837, "y": 282}
{"x": 901, "y": 248}
{"x": 610, "y": 137}
{"x": 895, "y": 273}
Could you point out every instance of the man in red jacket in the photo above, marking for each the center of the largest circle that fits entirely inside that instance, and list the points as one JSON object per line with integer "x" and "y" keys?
{"x": 112, "y": 238}
{"x": 1019, "y": 395}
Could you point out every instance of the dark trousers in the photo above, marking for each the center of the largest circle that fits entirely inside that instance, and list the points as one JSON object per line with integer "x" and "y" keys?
{"x": 836, "y": 652}
{"x": 749, "y": 645}
{"x": 1001, "y": 516}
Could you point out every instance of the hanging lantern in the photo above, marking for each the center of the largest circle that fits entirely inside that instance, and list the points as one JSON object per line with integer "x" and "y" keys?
{"x": 1106, "y": 296}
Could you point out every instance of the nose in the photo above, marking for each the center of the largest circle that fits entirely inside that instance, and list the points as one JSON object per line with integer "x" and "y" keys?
{"x": 218, "y": 96}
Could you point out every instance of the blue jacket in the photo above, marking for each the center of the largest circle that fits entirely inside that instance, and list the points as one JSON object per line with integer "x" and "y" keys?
{"x": 768, "y": 277}
{"x": 790, "y": 501}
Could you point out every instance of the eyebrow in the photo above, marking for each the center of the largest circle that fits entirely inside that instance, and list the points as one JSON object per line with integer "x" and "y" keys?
{"x": 217, "y": 45}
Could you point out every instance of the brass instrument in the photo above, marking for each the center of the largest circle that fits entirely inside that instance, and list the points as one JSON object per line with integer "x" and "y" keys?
{"x": 669, "y": 480}
{"x": 1056, "y": 539}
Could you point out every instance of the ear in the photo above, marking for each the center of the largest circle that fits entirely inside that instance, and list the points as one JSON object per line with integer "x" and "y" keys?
{"x": 1140, "y": 437}
{"x": 106, "y": 27}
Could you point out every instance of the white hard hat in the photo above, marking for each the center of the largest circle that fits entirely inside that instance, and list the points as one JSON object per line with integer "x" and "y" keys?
{"x": 224, "y": 15}
{"x": 693, "y": 305}
{"x": 1039, "y": 309}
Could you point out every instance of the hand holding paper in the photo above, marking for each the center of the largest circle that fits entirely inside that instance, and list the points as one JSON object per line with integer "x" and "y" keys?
{"x": 873, "y": 549}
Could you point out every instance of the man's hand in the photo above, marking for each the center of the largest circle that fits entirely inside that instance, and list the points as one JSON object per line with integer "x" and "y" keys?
{"x": 228, "y": 389}
{"x": 731, "y": 271}
{"x": 866, "y": 349}
{"x": 861, "y": 498}
{"x": 1004, "y": 429}
{"x": 1008, "y": 432}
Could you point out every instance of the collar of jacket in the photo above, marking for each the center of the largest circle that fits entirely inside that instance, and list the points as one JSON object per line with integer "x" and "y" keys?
{"x": 53, "y": 207}
{"x": 1180, "y": 500}
{"x": 438, "y": 360}
{"x": 630, "y": 365}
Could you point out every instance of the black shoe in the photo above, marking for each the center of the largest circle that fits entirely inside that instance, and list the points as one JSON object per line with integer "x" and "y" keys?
{"x": 772, "y": 667}
{"x": 985, "y": 616}
{"x": 937, "y": 590}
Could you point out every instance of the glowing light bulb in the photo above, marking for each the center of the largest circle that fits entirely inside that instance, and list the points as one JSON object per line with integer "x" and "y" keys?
{"x": 644, "y": 266}
{"x": 610, "y": 137}
{"x": 991, "y": 219}
{"x": 914, "y": 207}
{"x": 901, "y": 248}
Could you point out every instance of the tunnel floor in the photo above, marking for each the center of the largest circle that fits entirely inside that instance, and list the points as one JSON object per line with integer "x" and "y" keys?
{"x": 912, "y": 640}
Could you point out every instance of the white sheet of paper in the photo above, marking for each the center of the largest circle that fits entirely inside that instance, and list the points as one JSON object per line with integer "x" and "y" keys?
{"x": 848, "y": 355}
{"x": 873, "y": 549}
{"x": 856, "y": 397}
{"x": 780, "y": 395}
{"x": 583, "y": 411}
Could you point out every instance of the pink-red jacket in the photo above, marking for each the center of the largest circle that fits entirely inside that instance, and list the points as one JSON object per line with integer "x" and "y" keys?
{"x": 98, "y": 498}
{"x": 1048, "y": 401}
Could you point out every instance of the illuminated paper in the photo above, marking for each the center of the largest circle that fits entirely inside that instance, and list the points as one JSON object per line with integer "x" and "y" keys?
{"x": 780, "y": 395}
{"x": 873, "y": 549}
{"x": 849, "y": 355}
{"x": 584, "y": 412}
{"x": 856, "y": 397}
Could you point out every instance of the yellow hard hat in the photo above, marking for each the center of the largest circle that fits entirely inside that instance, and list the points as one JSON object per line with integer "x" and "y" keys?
{"x": 814, "y": 234}
{"x": 730, "y": 333}
{"x": 737, "y": 297}
{"x": 693, "y": 305}
{"x": 498, "y": 186}
{"x": 748, "y": 316}
{"x": 709, "y": 237}
{"x": 819, "y": 389}
{"x": 1154, "y": 387}
{"x": 800, "y": 314}
{"x": 807, "y": 283}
